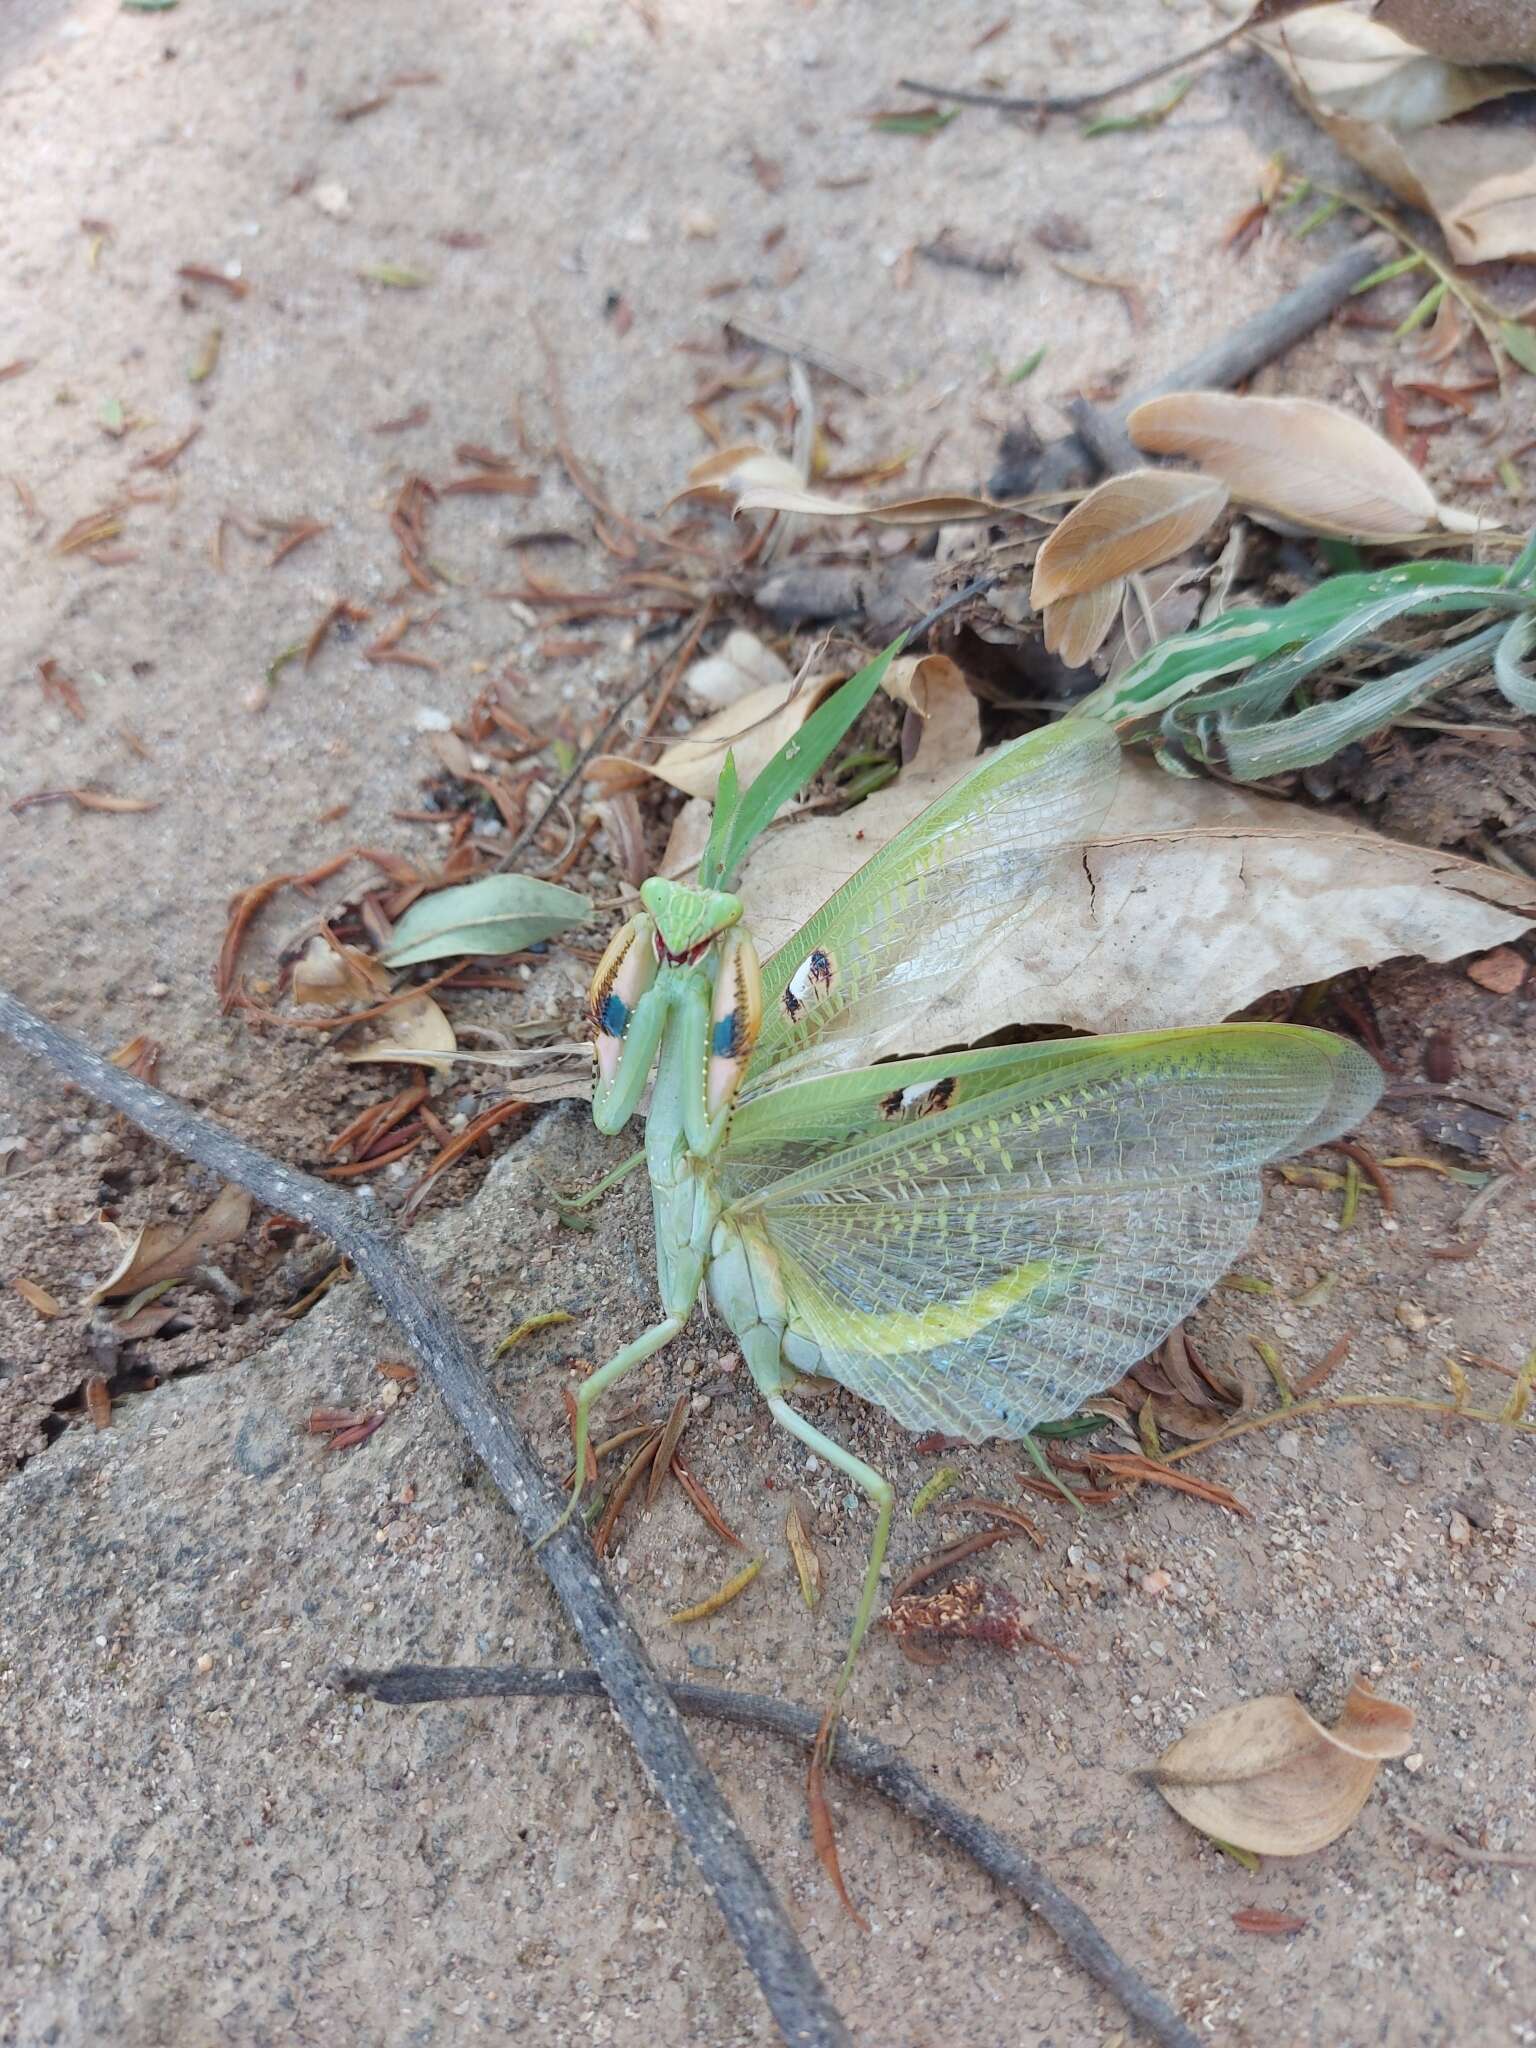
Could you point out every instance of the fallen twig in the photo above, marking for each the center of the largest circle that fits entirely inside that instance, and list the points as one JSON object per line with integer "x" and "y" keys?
{"x": 870, "y": 1762}
{"x": 731, "y": 1873}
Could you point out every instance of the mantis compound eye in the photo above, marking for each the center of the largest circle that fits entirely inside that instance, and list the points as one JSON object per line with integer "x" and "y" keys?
{"x": 623, "y": 975}
{"x": 735, "y": 1019}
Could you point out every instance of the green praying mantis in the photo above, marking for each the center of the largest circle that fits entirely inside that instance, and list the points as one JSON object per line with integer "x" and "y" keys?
{"x": 973, "y": 1241}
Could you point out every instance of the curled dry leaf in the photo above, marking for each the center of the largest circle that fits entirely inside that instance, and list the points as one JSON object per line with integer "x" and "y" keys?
{"x": 1076, "y": 627}
{"x": 1308, "y": 462}
{"x": 337, "y": 976}
{"x": 1387, "y": 104}
{"x": 415, "y": 1031}
{"x": 725, "y": 473}
{"x": 165, "y": 1252}
{"x": 1130, "y": 522}
{"x": 1263, "y": 1775}
{"x": 1194, "y": 901}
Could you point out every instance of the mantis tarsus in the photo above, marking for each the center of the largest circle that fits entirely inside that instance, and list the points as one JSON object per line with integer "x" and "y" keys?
{"x": 974, "y": 1241}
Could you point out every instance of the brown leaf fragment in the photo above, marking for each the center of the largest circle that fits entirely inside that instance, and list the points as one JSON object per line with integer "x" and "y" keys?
{"x": 1500, "y": 972}
{"x": 85, "y": 800}
{"x": 489, "y": 483}
{"x": 98, "y": 1402}
{"x": 1264, "y": 1775}
{"x": 1130, "y": 291}
{"x": 164, "y": 458}
{"x": 1130, "y": 522}
{"x": 90, "y": 529}
{"x": 17, "y": 367}
{"x": 343, "y": 609}
{"x": 1326, "y": 1366}
{"x": 768, "y": 173}
{"x": 416, "y": 417}
{"x": 170, "y": 1251}
{"x": 199, "y": 273}
{"x": 61, "y": 687}
{"x": 294, "y": 537}
{"x": 803, "y": 1552}
{"x": 36, "y": 1297}
{"x": 361, "y": 107}
{"x": 1131, "y": 1465}
{"x": 1263, "y": 1920}
{"x": 139, "y": 1056}
{"x": 823, "y": 1832}
{"x": 671, "y": 1436}
{"x": 701, "y": 1500}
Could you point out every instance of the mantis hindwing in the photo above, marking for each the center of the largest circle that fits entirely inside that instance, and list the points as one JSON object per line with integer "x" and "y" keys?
{"x": 974, "y": 1241}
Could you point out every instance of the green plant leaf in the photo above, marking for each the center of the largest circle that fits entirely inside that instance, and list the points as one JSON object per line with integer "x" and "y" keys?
{"x": 498, "y": 914}
{"x": 727, "y": 804}
{"x": 1519, "y": 343}
{"x": 1146, "y": 117}
{"x": 793, "y": 766}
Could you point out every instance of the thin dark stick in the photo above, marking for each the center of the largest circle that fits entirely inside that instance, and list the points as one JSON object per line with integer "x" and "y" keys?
{"x": 1075, "y": 102}
{"x": 731, "y": 1873}
{"x": 870, "y": 1762}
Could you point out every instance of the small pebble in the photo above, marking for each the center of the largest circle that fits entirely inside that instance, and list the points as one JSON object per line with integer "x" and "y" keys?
{"x": 1459, "y": 1529}
{"x": 700, "y": 1404}
{"x": 1413, "y": 1763}
{"x": 205, "y": 1662}
{"x": 1156, "y": 1584}
{"x": 1411, "y": 1316}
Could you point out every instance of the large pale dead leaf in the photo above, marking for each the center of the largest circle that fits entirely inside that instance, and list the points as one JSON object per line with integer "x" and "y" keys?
{"x": 1385, "y": 106}
{"x": 758, "y": 724}
{"x": 1338, "y": 62}
{"x": 1265, "y": 1776}
{"x": 1306, "y": 461}
{"x": 1130, "y": 522}
{"x": 415, "y": 1031}
{"x": 164, "y": 1252}
{"x": 1077, "y": 626}
{"x": 1194, "y": 901}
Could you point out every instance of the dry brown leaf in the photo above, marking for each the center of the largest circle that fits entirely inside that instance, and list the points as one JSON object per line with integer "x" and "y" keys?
{"x": 98, "y": 1401}
{"x": 338, "y": 976}
{"x": 935, "y": 509}
{"x": 1339, "y": 62}
{"x": 1384, "y": 102}
{"x": 36, "y": 1297}
{"x": 1308, "y": 462}
{"x": 1076, "y": 627}
{"x": 1130, "y": 522}
{"x": 1194, "y": 901}
{"x": 416, "y": 1031}
{"x": 1263, "y": 1775}
{"x": 170, "y": 1251}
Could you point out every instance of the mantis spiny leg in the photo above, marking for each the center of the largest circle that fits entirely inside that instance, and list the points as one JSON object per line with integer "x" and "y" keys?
{"x": 645, "y": 1346}
{"x": 879, "y": 1490}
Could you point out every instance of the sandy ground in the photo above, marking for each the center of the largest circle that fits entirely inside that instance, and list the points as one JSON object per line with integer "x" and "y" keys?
{"x": 198, "y": 1842}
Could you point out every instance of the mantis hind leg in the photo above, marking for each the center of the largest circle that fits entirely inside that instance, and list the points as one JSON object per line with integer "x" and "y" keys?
{"x": 880, "y": 1492}
{"x": 592, "y": 1389}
